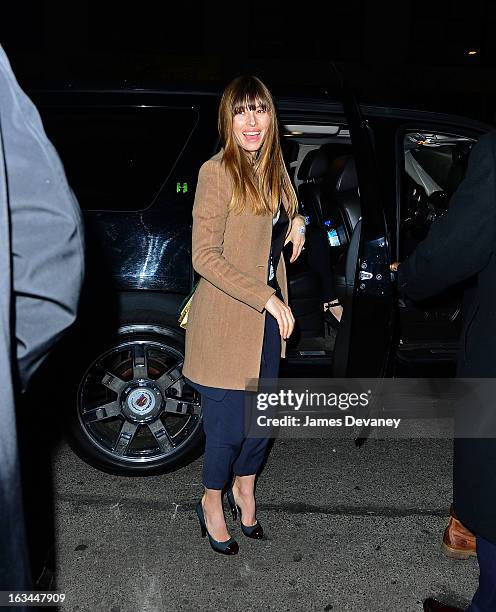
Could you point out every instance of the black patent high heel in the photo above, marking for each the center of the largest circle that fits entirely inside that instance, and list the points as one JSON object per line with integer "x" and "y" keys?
{"x": 229, "y": 547}
{"x": 254, "y": 531}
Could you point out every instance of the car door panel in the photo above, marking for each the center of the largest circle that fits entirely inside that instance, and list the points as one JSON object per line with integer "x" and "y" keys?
{"x": 364, "y": 338}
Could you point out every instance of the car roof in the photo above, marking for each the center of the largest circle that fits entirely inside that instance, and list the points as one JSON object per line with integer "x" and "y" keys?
{"x": 298, "y": 99}
{"x": 201, "y": 88}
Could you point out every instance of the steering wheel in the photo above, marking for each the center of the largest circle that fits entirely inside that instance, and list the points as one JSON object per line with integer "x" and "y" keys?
{"x": 423, "y": 210}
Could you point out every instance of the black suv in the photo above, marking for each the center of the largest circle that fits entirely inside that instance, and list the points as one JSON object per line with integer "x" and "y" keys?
{"x": 371, "y": 177}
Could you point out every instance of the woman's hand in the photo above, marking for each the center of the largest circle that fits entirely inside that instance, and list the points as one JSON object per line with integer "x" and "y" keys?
{"x": 394, "y": 266}
{"x": 282, "y": 314}
{"x": 296, "y": 236}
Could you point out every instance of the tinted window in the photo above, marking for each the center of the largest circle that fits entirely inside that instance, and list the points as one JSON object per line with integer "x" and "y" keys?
{"x": 118, "y": 158}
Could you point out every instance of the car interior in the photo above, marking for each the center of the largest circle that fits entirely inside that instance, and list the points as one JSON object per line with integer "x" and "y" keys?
{"x": 434, "y": 165}
{"x": 322, "y": 169}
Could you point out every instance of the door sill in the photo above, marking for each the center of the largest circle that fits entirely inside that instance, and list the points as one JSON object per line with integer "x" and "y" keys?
{"x": 425, "y": 353}
{"x": 302, "y": 361}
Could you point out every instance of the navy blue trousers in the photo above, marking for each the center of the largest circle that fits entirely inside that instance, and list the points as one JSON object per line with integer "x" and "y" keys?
{"x": 485, "y": 597}
{"x": 227, "y": 449}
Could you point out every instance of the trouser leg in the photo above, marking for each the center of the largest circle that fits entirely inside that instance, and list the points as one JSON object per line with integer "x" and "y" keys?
{"x": 485, "y": 597}
{"x": 253, "y": 450}
{"x": 223, "y": 424}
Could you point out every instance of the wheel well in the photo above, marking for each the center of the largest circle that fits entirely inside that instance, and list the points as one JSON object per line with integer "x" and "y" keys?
{"x": 165, "y": 305}
{"x": 103, "y": 317}
{"x": 149, "y": 311}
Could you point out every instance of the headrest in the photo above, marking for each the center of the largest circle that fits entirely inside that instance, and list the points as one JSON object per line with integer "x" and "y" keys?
{"x": 342, "y": 173}
{"x": 315, "y": 165}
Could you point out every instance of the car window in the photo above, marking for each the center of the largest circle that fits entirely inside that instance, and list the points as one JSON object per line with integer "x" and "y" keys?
{"x": 434, "y": 166}
{"x": 118, "y": 158}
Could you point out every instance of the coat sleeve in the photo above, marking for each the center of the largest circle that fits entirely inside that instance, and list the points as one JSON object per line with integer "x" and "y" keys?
{"x": 46, "y": 229}
{"x": 460, "y": 243}
{"x": 210, "y": 211}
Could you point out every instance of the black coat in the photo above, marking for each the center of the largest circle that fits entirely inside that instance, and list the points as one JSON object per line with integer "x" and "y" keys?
{"x": 461, "y": 245}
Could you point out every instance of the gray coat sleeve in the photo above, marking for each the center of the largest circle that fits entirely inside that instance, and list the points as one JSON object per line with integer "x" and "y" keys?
{"x": 460, "y": 243}
{"x": 46, "y": 229}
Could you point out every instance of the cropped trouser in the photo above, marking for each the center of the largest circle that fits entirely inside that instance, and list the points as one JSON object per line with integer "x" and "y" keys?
{"x": 227, "y": 449}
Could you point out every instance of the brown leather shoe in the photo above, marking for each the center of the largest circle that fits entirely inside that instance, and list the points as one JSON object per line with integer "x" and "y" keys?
{"x": 458, "y": 541}
{"x": 433, "y": 605}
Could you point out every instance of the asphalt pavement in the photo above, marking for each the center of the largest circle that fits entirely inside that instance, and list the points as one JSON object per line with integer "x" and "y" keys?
{"x": 348, "y": 529}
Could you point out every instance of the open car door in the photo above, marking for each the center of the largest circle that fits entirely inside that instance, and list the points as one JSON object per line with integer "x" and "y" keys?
{"x": 365, "y": 334}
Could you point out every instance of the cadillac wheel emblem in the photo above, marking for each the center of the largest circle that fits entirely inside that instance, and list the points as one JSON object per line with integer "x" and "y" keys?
{"x": 141, "y": 401}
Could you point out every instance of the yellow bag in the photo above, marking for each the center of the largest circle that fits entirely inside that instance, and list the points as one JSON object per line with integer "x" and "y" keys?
{"x": 184, "y": 308}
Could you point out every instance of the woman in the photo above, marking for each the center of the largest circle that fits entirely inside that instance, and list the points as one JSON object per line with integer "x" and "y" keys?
{"x": 239, "y": 319}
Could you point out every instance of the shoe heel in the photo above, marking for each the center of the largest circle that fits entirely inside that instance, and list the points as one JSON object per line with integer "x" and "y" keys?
{"x": 232, "y": 504}
{"x": 201, "y": 519}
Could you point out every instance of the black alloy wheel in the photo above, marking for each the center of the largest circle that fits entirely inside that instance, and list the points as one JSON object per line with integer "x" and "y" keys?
{"x": 135, "y": 413}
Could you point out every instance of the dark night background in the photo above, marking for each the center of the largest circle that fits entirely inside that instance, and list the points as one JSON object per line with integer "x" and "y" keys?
{"x": 409, "y": 52}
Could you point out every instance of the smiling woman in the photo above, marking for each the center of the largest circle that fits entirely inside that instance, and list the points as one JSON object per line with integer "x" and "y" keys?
{"x": 252, "y": 152}
{"x": 239, "y": 318}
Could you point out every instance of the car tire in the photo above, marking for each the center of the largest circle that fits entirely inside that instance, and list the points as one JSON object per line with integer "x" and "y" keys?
{"x": 134, "y": 414}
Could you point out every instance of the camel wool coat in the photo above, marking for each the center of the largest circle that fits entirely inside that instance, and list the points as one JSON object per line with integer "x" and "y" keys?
{"x": 230, "y": 251}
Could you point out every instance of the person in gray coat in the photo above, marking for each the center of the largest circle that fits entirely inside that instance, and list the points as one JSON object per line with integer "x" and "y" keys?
{"x": 41, "y": 274}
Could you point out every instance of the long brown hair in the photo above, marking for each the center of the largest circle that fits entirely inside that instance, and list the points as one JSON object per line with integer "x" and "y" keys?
{"x": 261, "y": 183}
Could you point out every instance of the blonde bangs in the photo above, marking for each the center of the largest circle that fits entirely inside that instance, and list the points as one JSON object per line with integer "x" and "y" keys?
{"x": 250, "y": 100}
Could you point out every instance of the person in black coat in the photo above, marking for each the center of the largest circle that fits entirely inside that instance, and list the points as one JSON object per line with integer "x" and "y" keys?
{"x": 461, "y": 245}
